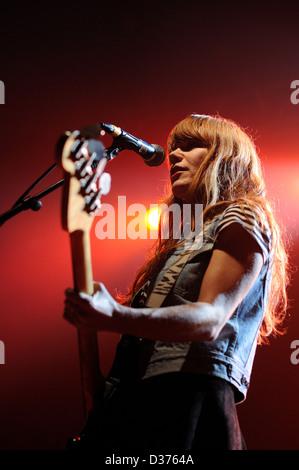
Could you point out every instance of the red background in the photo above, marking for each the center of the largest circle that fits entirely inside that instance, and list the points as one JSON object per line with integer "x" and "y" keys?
{"x": 142, "y": 68}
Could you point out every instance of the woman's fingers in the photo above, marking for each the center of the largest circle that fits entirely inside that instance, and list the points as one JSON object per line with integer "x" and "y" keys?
{"x": 87, "y": 311}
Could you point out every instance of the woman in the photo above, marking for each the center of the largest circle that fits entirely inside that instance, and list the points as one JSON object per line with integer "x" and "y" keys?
{"x": 185, "y": 357}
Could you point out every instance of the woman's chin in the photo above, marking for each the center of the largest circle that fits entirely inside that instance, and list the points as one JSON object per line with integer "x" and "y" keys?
{"x": 179, "y": 191}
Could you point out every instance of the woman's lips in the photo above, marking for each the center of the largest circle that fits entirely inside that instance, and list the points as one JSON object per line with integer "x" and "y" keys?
{"x": 175, "y": 173}
{"x": 175, "y": 176}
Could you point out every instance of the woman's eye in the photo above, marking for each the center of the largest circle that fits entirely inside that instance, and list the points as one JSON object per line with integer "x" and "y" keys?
{"x": 187, "y": 146}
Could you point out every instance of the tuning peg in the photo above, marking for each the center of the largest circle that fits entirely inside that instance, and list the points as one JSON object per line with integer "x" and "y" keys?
{"x": 93, "y": 203}
{"x": 95, "y": 207}
{"x": 91, "y": 184}
{"x": 76, "y": 147}
{"x": 105, "y": 183}
{"x": 79, "y": 149}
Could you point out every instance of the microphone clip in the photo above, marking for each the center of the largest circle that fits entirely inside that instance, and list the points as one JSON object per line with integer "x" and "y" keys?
{"x": 112, "y": 151}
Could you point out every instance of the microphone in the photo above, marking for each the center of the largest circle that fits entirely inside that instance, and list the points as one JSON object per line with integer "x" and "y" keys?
{"x": 152, "y": 154}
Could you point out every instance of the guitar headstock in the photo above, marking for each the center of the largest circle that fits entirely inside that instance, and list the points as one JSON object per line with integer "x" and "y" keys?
{"x": 83, "y": 161}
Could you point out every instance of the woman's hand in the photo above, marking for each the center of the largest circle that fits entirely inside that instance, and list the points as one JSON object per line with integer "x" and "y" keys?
{"x": 92, "y": 313}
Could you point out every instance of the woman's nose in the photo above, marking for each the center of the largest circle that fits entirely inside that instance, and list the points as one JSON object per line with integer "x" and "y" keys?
{"x": 176, "y": 155}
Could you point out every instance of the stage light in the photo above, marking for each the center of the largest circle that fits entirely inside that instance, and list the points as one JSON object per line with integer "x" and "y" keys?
{"x": 153, "y": 218}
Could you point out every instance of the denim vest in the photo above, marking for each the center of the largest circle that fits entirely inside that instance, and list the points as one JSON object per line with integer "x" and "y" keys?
{"x": 229, "y": 357}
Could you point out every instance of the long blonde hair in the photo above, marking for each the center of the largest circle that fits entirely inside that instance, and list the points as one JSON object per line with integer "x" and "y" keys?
{"x": 230, "y": 172}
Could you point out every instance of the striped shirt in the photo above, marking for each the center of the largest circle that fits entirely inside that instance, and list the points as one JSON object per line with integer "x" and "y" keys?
{"x": 254, "y": 221}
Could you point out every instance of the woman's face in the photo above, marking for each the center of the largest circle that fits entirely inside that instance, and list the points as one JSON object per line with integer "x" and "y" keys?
{"x": 184, "y": 161}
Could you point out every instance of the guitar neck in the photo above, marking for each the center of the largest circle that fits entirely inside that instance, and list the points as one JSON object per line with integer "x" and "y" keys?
{"x": 91, "y": 378}
{"x": 81, "y": 259}
{"x": 83, "y": 186}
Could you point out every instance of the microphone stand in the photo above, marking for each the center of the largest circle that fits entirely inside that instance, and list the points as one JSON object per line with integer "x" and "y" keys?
{"x": 33, "y": 202}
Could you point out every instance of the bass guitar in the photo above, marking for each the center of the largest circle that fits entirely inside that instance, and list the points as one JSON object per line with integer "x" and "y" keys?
{"x": 83, "y": 160}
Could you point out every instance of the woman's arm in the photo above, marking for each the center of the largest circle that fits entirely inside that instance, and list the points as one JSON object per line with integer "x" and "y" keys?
{"x": 235, "y": 264}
